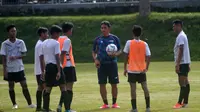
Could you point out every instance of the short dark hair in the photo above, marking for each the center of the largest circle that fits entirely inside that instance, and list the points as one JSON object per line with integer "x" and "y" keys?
{"x": 55, "y": 28}
{"x": 10, "y": 27}
{"x": 137, "y": 30}
{"x": 176, "y": 22}
{"x": 66, "y": 26}
{"x": 107, "y": 23}
{"x": 41, "y": 30}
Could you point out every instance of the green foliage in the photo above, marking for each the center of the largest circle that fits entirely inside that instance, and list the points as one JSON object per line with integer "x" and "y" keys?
{"x": 157, "y": 33}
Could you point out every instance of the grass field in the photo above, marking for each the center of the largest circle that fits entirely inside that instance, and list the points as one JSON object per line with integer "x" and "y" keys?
{"x": 162, "y": 82}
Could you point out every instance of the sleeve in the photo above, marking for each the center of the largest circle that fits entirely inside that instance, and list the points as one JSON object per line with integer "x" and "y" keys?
{"x": 180, "y": 40}
{"x": 3, "y": 49}
{"x": 148, "y": 52}
{"x": 66, "y": 45}
{"x": 127, "y": 47}
{"x": 94, "y": 49}
{"x": 57, "y": 48}
{"x": 23, "y": 47}
{"x": 40, "y": 50}
{"x": 118, "y": 43}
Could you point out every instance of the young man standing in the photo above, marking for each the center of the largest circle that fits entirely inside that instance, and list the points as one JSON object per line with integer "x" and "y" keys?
{"x": 13, "y": 50}
{"x": 182, "y": 61}
{"x": 68, "y": 63}
{"x": 52, "y": 74}
{"x": 106, "y": 63}
{"x": 43, "y": 34}
{"x": 137, "y": 58}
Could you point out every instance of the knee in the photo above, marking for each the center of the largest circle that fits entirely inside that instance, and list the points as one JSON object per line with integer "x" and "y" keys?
{"x": 40, "y": 88}
{"x": 24, "y": 86}
{"x": 114, "y": 86}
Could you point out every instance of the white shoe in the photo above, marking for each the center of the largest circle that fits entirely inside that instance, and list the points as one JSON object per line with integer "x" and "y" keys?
{"x": 72, "y": 111}
{"x": 148, "y": 110}
{"x": 32, "y": 106}
{"x": 15, "y": 106}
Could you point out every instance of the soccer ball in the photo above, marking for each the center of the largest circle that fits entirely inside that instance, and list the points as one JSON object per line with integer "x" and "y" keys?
{"x": 111, "y": 48}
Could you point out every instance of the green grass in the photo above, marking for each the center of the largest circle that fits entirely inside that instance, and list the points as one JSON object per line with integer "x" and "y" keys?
{"x": 162, "y": 82}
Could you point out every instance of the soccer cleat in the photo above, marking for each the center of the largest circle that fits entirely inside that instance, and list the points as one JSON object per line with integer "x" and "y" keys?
{"x": 32, "y": 106}
{"x": 134, "y": 110}
{"x": 59, "y": 109}
{"x": 177, "y": 106}
{"x": 115, "y": 105}
{"x": 184, "y": 105}
{"x": 15, "y": 106}
{"x": 104, "y": 106}
{"x": 148, "y": 110}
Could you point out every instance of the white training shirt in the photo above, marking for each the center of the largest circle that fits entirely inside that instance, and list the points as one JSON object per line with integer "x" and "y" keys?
{"x": 9, "y": 49}
{"x": 182, "y": 40}
{"x": 127, "y": 50}
{"x": 38, "y": 50}
{"x": 50, "y": 47}
{"x": 66, "y": 47}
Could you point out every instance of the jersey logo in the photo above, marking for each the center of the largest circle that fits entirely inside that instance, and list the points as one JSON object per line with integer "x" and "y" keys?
{"x": 111, "y": 41}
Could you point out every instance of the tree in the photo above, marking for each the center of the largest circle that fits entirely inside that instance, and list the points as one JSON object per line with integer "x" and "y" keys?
{"x": 145, "y": 9}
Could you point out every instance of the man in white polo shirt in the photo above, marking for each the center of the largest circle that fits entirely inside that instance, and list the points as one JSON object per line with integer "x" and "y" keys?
{"x": 43, "y": 34}
{"x": 182, "y": 61}
{"x": 50, "y": 61}
{"x": 12, "y": 51}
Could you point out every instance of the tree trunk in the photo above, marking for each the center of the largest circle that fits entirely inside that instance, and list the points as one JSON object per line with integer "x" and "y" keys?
{"x": 145, "y": 9}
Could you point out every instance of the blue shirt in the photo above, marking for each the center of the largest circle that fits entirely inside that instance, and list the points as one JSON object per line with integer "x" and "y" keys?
{"x": 99, "y": 47}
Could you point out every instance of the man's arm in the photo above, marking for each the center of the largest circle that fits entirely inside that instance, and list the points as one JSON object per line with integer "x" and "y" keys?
{"x": 58, "y": 62}
{"x": 147, "y": 62}
{"x": 4, "y": 65}
{"x": 180, "y": 55}
{"x": 42, "y": 63}
{"x": 125, "y": 63}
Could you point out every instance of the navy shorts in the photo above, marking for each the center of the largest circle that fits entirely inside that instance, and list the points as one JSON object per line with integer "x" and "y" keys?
{"x": 50, "y": 76}
{"x": 108, "y": 72}
{"x": 15, "y": 76}
{"x": 184, "y": 70}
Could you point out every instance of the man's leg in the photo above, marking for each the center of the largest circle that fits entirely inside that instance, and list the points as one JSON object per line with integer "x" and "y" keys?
{"x": 187, "y": 91}
{"x": 114, "y": 93}
{"x": 39, "y": 96}
{"x": 46, "y": 98}
{"x": 11, "y": 85}
{"x": 146, "y": 94}
{"x": 26, "y": 92}
{"x": 182, "y": 83}
{"x": 133, "y": 95}
{"x": 103, "y": 93}
{"x": 65, "y": 97}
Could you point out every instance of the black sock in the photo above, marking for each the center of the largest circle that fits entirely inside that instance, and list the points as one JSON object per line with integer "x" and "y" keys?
{"x": 61, "y": 100}
{"x": 182, "y": 94}
{"x": 105, "y": 102}
{"x": 114, "y": 100}
{"x": 39, "y": 99}
{"x": 70, "y": 95}
{"x": 187, "y": 94}
{"x": 46, "y": 100}
{"x": 133, "y": 103}
{"x": 27, "y": 96}
{"x": 147, "y": 99}
{"x": 66, "y": 100}
{"x": 12, "y": 96}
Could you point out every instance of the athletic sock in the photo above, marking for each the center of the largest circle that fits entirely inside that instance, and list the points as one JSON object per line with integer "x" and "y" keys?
{"x": 147, "y": 99}
{"x": 65, "y": 96}
{"x": 61, "y": 100}
{"x": 70, "y": 95}
{"x": 182, "y": 94}
{"x": 12, "y": 96}
{"x": 105, "y": 102}
{"x": 133, "y": 103}
{"x": 27, "y": 96}
{"x": 39, "y": 99}
{"x": 114, "y": 100}
{"x": 46, "y": 100}
{"x": 187, "y": 94}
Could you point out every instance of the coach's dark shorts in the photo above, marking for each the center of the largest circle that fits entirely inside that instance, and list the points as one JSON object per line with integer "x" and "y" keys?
{"x": 137, "y": 77}
{"x": 108, "y": 72}
{"x": 70, "y": 74}
{"x": 50, "y": 76}
{"x": 16, "y": 76}
{"x": 184, "y": 70}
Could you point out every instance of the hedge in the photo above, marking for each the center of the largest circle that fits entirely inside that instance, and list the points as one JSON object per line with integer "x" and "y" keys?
{"x": 157, "y": 33}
